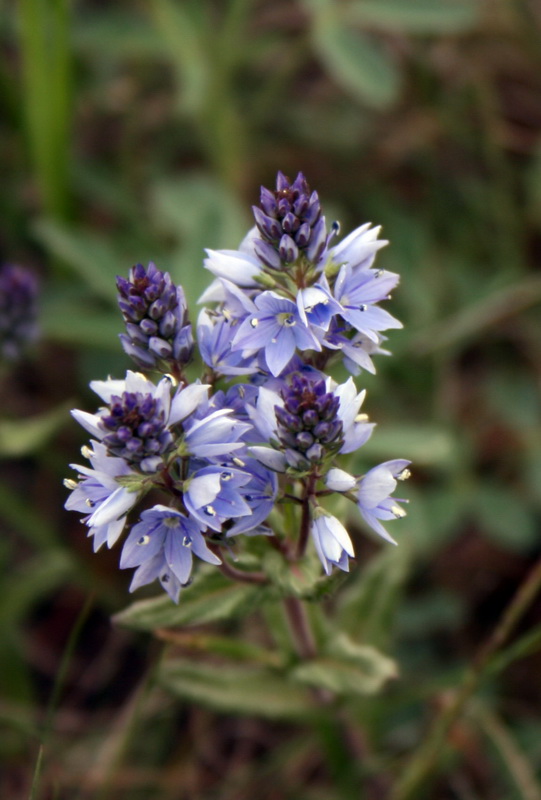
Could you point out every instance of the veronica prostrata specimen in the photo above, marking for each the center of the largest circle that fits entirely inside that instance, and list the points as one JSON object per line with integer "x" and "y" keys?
{"x": 226, "y": 460}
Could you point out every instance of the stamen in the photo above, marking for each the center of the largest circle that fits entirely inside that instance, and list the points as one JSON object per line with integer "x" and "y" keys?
{"x": 254, "y": 322}
{"x": 404, "y": 475}
{"x": 69, "y": 483}
{"x": 209, "y": 510}
{"x": 187, "y": 542}
{"x": 398, "y": 512}
{"x": 143, "y": 540}
{"x": 238, "y": 462}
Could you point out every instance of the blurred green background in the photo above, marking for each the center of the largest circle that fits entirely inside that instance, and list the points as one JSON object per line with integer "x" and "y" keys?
{"x": 132, "y": 131}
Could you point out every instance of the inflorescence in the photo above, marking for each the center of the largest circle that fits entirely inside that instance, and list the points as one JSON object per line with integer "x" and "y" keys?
{"x": 281, "y": 310}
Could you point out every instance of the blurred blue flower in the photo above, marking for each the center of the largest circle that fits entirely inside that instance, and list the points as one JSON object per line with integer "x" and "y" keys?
{"x": 19, "y": 291}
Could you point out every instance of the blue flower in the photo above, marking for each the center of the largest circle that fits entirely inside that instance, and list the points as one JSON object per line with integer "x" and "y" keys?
{"x": 374, "y": 494}
{"x": 317, "y": 306}
{"x": 100, "y": 496}
{"x": 359, "y": 247}
{"x": 259, "y": 493}
{"x": 357, "y": 291}
{"x": 241, "y": 266}
{"x": 277, "y": 328}
{"x": 161, "y": 546}
{"x": 332, "y": 541}
{"x": 213, "y": 495}
{"x": 214, "y": 336}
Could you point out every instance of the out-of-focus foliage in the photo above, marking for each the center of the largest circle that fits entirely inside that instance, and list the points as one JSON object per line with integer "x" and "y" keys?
{"x": 132, "y": 131}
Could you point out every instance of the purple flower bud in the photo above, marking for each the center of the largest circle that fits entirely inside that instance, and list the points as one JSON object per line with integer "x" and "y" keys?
{"x": 308, "y": 425}
{"x": 294, "y": 212}
{"x": 158, "y": 334}
{"x": 267, "y": 254}
{"x": 135, "y": 428}
{"x": 288, "y": 249}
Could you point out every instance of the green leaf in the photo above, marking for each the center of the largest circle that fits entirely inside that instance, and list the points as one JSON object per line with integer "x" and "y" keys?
{"x": 303, "y": 580}
{"x": 236, "y": 689}
{"x": 424, "y": 444}
{"x": 199, "y": 213}
{"x": 210, "y": 598}
{"x": 527, "y": 645}
{"x": 415, "y": 16}
{"x": 88, "y": 255}
{"x": 505, "y": 517}
{"x": 183, "y": 32}
{"x": 117, "y": 35}
{"x": 368, "y": 605}
{"x": 356, "y": 62}
{"x": 71, "y": 320}
{"x": 22, "y": 437}
{"x": 349, "y": 668}
{"x": 44, "y": 40}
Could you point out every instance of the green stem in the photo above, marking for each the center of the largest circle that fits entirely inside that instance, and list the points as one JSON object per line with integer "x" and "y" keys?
{"x": 240, "y": 575}
{"x": 425, "y": 760}
{"x": 300, "y": 627}
{"x": 304, "y": 530}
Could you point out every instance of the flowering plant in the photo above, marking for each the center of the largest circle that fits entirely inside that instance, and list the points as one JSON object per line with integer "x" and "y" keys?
{"x": 258, "y": 445}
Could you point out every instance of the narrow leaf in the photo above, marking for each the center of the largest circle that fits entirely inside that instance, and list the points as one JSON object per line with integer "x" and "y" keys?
{"x": 352, "y": 669}
{"x": 415, "y": 16}
{"x": 235, "y": 689}
{"x": 22, "y": 437}
{"x": 210, "y": 598}
{"x": 357, "y": 63}
{"x": 89, "y": 256}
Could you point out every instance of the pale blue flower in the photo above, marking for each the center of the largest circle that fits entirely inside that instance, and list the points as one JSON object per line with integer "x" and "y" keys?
{"x": 162, "y": 545}
{"x": 331, "y": 540}
{"x": 99, "y": 495}
{"x": 374, "y": 495}
{"x": 276, "y": 328}
{"x": 213, "y": 495}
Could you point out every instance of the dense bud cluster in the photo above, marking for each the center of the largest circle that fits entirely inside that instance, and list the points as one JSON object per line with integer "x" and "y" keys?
{"x": 307, "y": 425}
{"x": 158, "y": 333}
{"x": 135, "y": 429}
{"x": 290, "y": 223}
